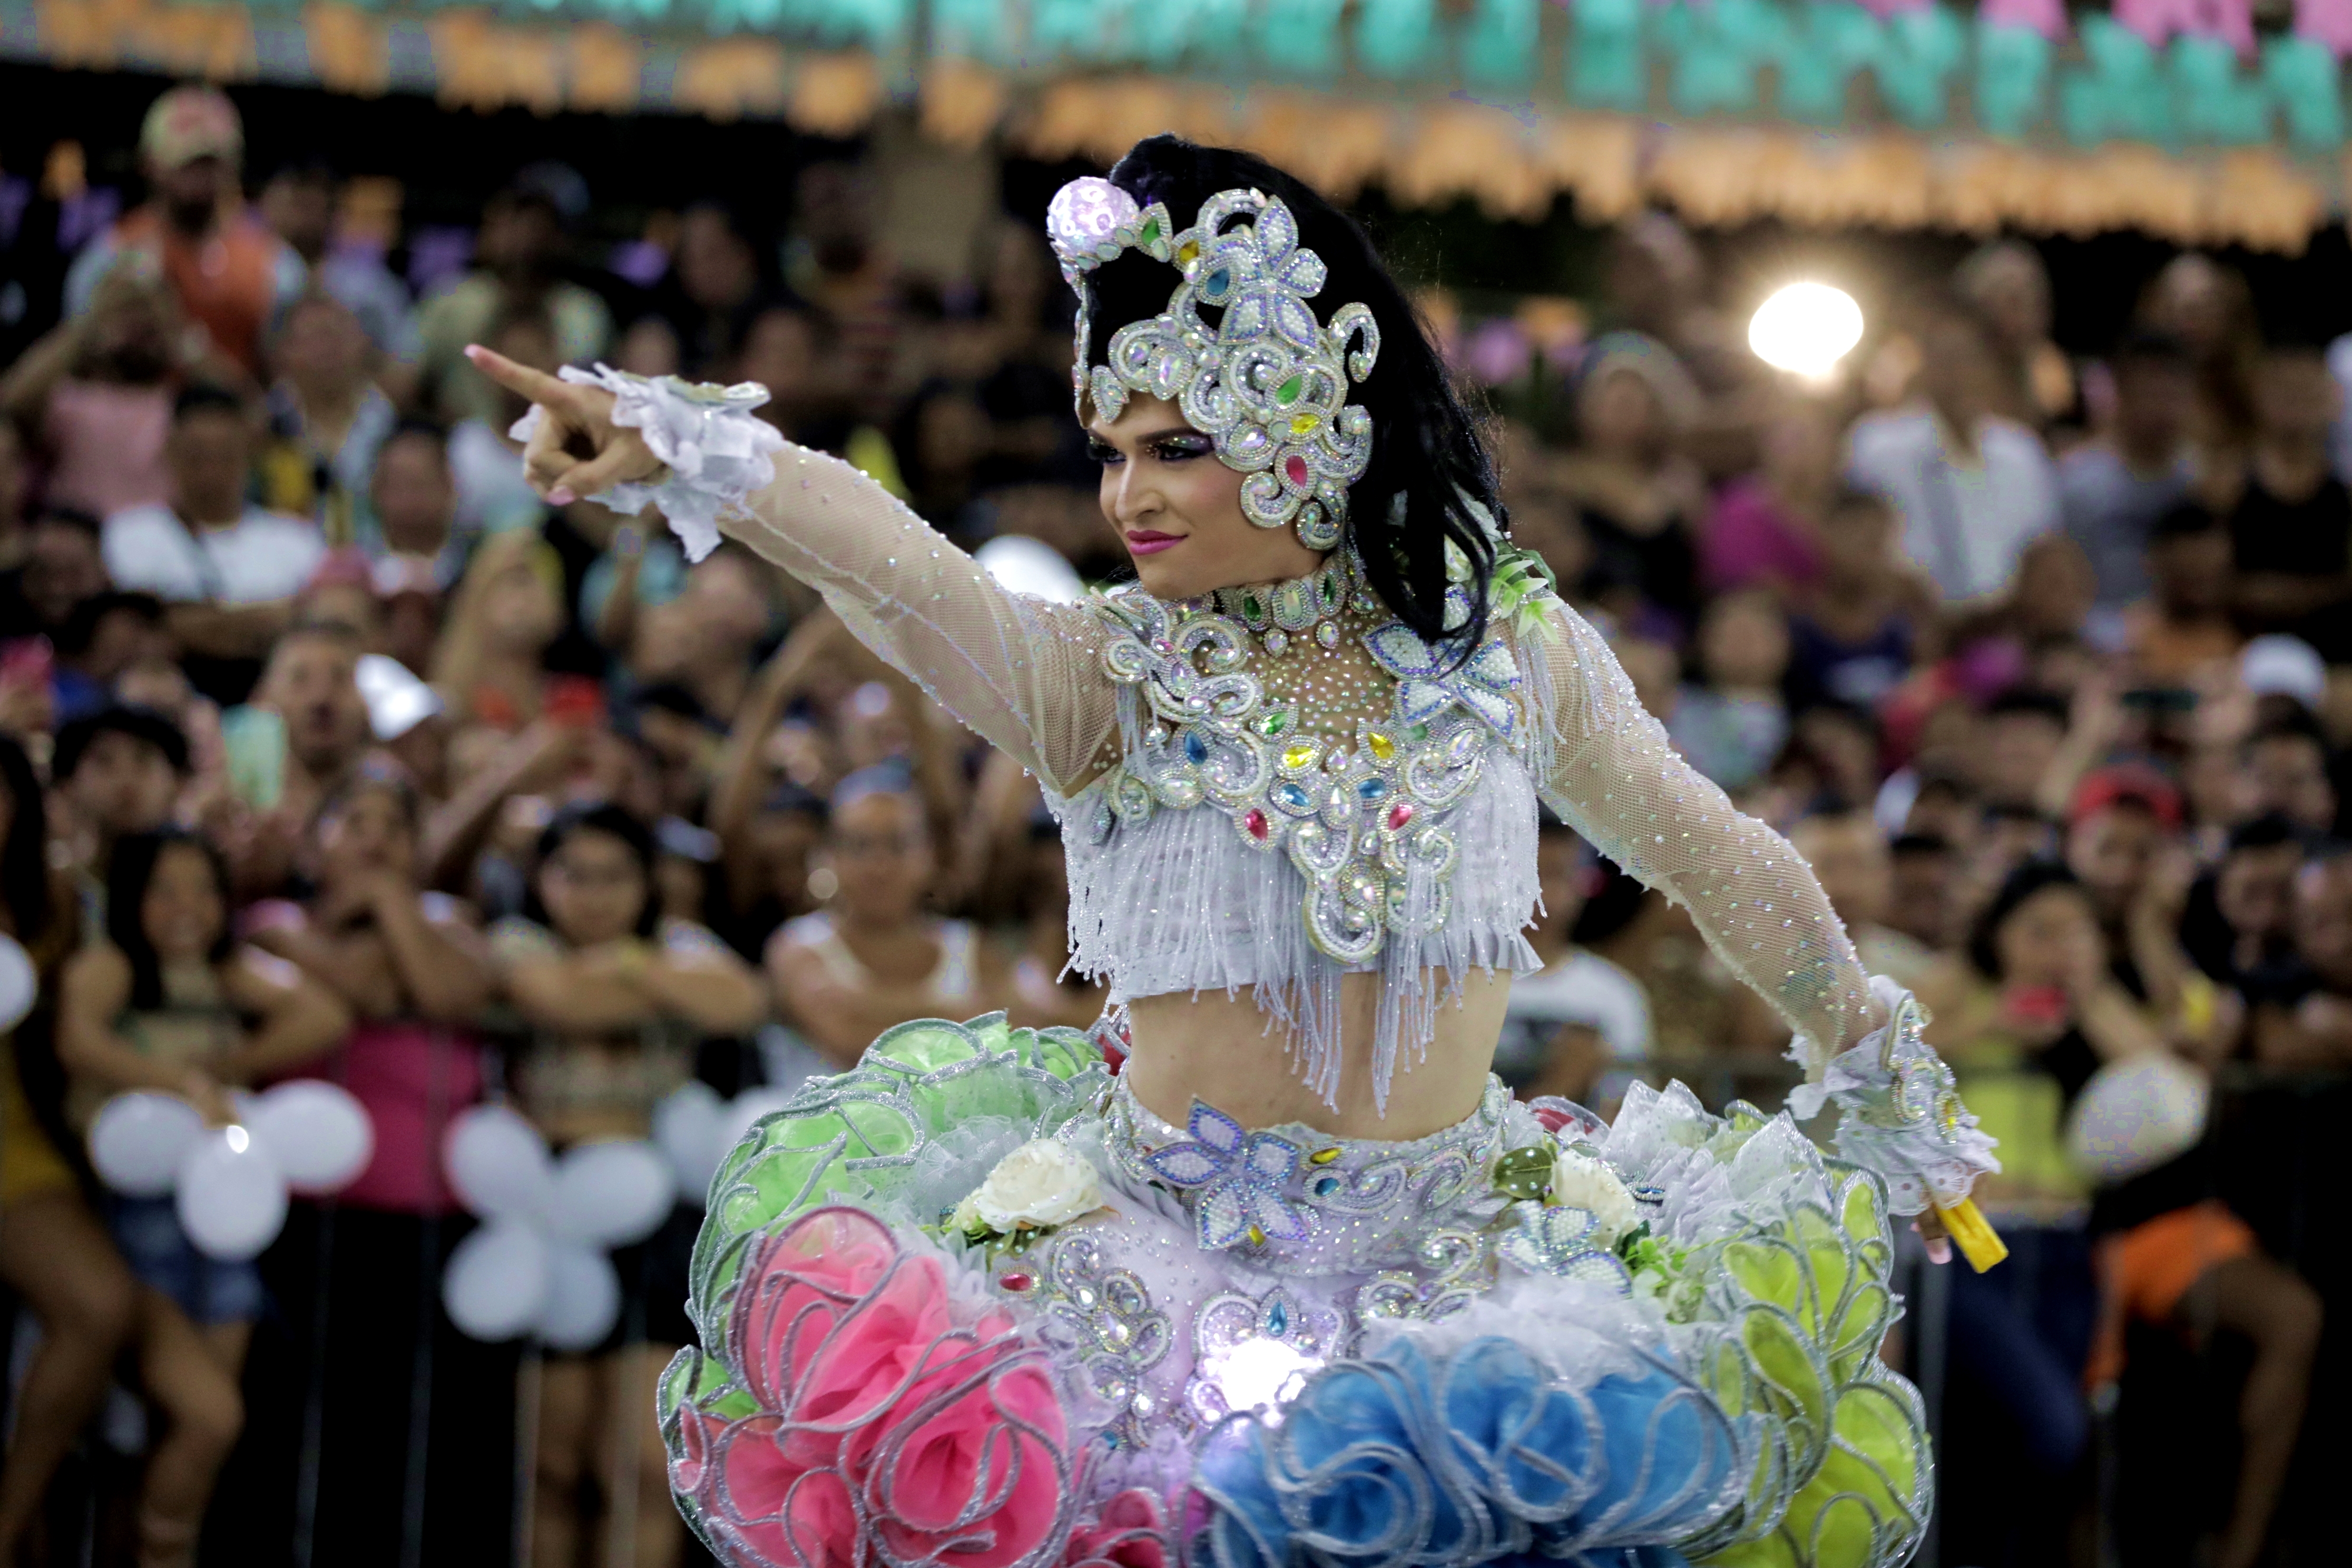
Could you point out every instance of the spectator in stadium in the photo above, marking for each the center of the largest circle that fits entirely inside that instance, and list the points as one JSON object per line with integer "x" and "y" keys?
{"x": 413, "y": 969}
{"x": 161, "y": 1005}
{"x": 1734, "y": 723}
{"x": 227, "y": 571}
{"x": 1640, "y": 501}
{"x": 518, "y": 256}
{"x": 1766, "y": 528}
{"x": 1579, "y": 1027}
{"x": 63, "y": 569}
{"x": 53, "y": 1253}
{"x": 299, "y": 206}
{"x": 95, "y": 394}
{"x": 230, "y": 276}
{"x": 1969, "y": 486}
{"x": 2113, "y": 491}
{"x": 617, "y": 999}
{"x": 505, "y": 613}
{"x": 2182, "y": 630}
{"x": 870, "y": 957}
{"x": 115, "y": 773}
{"x": 2291, "y": 528}
{"x": 328, "y": 418}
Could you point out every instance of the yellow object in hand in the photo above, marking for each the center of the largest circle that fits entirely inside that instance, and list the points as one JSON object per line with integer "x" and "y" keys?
{"x": 1972, "y": 1234}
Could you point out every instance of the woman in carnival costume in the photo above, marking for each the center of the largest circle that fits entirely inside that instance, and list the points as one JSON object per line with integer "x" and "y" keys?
{"x": 1296, "y": 1280}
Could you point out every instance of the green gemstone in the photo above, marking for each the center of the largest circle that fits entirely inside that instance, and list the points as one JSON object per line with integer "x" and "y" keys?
{"x": 1524, "y": 1172}
{"x": 1273, "y": 725}
{"x": 1288, "y": 392}
{"x": 1150, "y": 231}
{"x": 1251, "y": 607}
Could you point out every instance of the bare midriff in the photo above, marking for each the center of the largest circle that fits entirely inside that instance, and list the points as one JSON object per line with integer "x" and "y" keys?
{"x": 1219, "y": 1049}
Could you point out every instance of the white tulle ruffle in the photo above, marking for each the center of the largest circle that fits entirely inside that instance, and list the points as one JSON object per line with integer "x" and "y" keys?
{"x": 719, "y": 453}
{"x": 1899, "y": 1112}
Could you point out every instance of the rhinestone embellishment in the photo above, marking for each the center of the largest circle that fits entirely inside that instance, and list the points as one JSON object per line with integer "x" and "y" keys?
{"x": 1362, "y": 818}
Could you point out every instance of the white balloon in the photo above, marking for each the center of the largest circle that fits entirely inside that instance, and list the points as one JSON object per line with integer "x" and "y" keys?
{"x": 496, "y": 1285}
{"x": 498, "y": 1165}
{"x": 2137, "y": 1114}
{"x": 138, "y": 1140}
{"x": 232, "y": 1195}
{"x": 611, "y": 1194}
{"x": 18, "y": 984}
{"x": 1031, "y": 566}
{"x": 319, "y": 1132}
{"x": 583, "y": 1298}
{"x": 687, "y": 1126}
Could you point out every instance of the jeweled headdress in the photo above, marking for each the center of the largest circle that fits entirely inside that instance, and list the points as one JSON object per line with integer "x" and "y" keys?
{"x": 1266, "y": 380}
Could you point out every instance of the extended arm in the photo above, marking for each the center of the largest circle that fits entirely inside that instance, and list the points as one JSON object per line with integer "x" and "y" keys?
{"x": 1612, "y": 776}
{"x": 1615, "y": 778}
{"x": 1022, "y": 672}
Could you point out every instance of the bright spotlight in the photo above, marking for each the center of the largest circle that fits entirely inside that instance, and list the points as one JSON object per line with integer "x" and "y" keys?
{"x": 1805, "y": 329}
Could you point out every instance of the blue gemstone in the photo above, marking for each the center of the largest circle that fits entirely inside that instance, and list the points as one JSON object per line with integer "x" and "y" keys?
{"x": 1217, "y": 283}
{"x": 1278, "y": 1321}
{"x": 1325, "y": 1185}
{"x": 1372, "y": 789}
{"x": 1196, "y": 750}
{"x": 1290, "y": 797}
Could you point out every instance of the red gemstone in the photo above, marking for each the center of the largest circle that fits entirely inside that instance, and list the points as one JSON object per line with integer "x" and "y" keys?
{"x": 1295, "y": 466}
{"x": 1255, "y": 821}
{"x": 1399, "y": 815}
{"x": 1016, "y": 1281}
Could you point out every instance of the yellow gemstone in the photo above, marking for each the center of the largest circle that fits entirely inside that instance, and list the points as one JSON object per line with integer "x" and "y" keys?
{"x": 1323, "y": 1156}
{"x": 1257, "y": 1237}
{"x": 1301, "y": 755}
{"x": 1304, "y": 424}
{"x": 1382, "y": 746}
{"x": 1187, "y": 252}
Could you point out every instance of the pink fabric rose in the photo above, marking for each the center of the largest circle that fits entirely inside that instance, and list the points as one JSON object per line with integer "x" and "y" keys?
{"x": 883, "y": 1422}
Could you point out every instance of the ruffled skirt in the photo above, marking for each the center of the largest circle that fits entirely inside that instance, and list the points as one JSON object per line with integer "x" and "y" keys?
{"x": 970, "y": 1304}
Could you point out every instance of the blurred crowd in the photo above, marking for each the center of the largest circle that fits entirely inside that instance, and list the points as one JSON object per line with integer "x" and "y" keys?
{"x": 326, "y": 747}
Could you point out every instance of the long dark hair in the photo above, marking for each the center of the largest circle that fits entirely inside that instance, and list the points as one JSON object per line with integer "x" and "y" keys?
{"x": 127, "y": 872}
{"x": 25, "y": 853}
{"x": 597, "y": 817}
{"x": 1425, "y": 450}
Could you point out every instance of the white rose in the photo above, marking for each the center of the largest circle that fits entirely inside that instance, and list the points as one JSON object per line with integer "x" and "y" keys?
{"x": 1581, "y": 1182}
{"x": 1041, "y": 1183}
{"x": 966, "y": 1216}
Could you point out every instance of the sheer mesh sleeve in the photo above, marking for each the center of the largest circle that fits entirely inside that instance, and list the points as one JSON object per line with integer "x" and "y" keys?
{"x": 1027, "y": 675}
{"x": 1613, "y": 777}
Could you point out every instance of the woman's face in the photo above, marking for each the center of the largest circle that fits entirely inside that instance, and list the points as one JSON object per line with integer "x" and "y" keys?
{"x": 880, "y": 854}
{"x": 594, "y": 888}
{"x": 2049, "y": 939}
{"x": 183, "y": 914}
{"x": 369, "y": 832}
{"x": 1177, "y": 508}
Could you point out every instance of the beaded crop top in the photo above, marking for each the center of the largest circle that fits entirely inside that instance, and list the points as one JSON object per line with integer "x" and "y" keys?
{"x": 1277, "y": 785}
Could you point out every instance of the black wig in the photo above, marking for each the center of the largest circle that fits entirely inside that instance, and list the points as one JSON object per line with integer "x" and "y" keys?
{"x": 1427, "y": 464}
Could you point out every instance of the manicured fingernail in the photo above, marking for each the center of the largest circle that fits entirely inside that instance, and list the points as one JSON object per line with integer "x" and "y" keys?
{"x": 1938, "y": 1249}
{"x": 562, "y": 497}
{"x": 473, "y": 350}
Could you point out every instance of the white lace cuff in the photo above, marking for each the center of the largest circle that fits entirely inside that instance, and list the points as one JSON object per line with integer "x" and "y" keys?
{"x": 717, "y": 451}
{"x": 1899, "y": 1114}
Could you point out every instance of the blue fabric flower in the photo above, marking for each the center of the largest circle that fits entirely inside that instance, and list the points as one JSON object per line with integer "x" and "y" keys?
{"x": 1483, "y": 1455}
{"x": 1241, "y": 1176}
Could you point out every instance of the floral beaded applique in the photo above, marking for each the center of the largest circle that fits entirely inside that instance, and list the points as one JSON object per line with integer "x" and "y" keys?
{"x": 1358, "y": 807}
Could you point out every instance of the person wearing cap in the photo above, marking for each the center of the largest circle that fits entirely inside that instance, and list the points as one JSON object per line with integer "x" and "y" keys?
{"x": 230, "y": 275}
{"x": 519, "y": 256}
